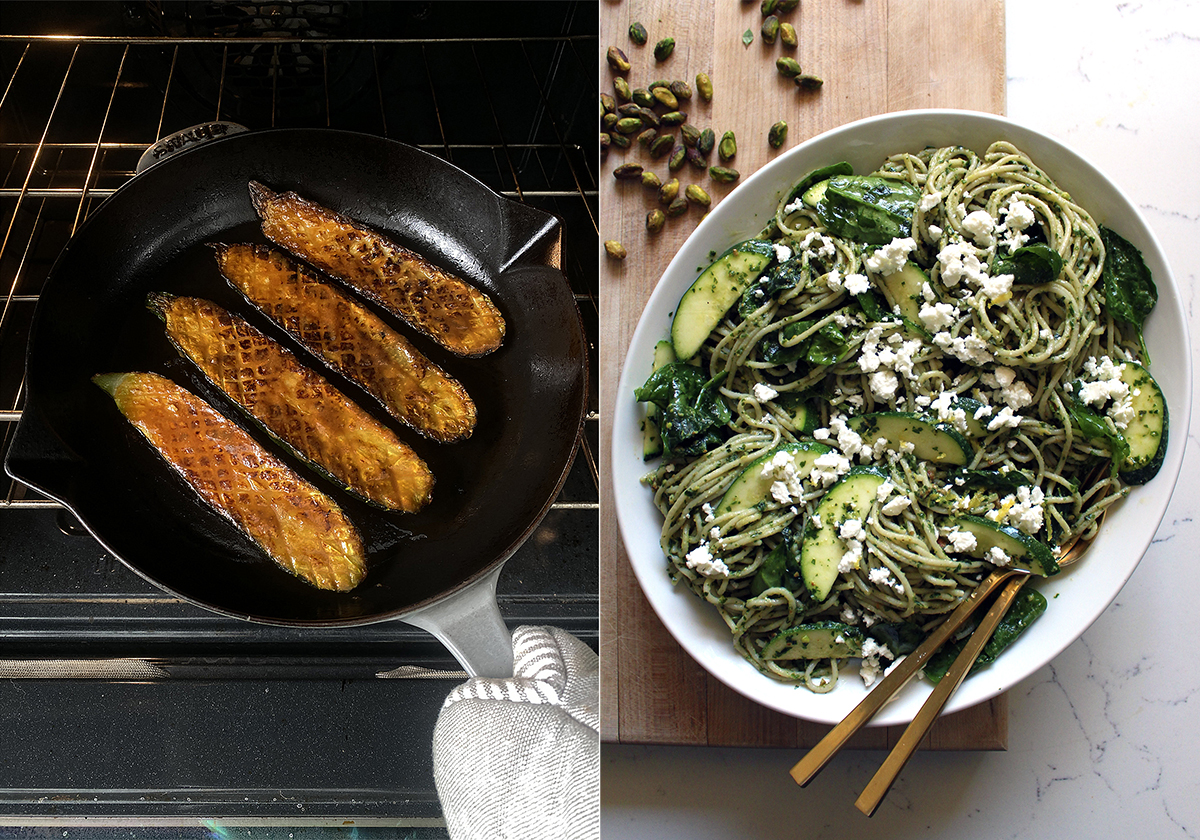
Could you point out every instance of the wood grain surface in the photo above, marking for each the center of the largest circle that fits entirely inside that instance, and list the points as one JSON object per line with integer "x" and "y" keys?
{"x": 875, "y": 56}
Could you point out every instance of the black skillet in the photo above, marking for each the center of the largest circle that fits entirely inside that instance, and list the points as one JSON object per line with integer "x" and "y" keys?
{"x": 152, "y": 234}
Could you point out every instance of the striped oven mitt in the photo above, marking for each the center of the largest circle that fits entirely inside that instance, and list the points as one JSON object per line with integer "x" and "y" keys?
{"x": 520, "y": 757}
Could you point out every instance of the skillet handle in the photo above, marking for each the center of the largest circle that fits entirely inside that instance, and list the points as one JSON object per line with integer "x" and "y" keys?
{"x": 469, "y": 624}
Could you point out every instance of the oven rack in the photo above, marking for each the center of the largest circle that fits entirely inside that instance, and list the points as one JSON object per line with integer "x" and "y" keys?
{"x": 57, "y": 167}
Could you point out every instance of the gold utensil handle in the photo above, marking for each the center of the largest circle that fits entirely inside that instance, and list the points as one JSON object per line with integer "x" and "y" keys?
{"x": 881, "y": 782}
{"x": 816, "y": 758}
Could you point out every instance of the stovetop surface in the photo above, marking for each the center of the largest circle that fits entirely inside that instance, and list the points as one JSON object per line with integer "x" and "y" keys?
{"x": 120, "y": 704}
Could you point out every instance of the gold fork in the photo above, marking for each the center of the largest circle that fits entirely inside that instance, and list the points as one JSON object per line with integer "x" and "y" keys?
{"x": 816, "y": 758}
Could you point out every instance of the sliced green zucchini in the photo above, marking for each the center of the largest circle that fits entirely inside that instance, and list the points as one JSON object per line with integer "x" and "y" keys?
{"x": 803, "y": 412}
{"x": 652, "y": 445}
{"x": 822, "y": 549}
{"x": 813, "y": 195}
{"x": 717, "y": 289}
{"x": 936, "y": 442}
{"x": 976, "y": 428}
{"x": 903, "y": 289}
{"x": 817, "y": 640}
{"x": 1147, "y": 432}
{"x": 1025, "y": 551}
{"x": 752, "y": 488}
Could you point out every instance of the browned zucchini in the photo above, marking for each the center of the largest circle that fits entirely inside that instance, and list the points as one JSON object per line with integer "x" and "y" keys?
{"x": 351, "y": 339}
{"x": 296, "y": 405}
{"x": 298, "y": 526}
{"x": 453, "y": 313}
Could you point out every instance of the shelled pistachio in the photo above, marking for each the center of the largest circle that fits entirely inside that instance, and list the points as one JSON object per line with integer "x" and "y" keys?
{"x": 607, "y": 103}
{"x": 708, "y": 139}
{"x": 621, "y": 88}
{"x": 681, "y": 89}
{"x": 655, "y": 220}
{"x": 677, "y": 207}
{"x": 770, "y": 29}
{"x": 647, "y": 137}
{"x": 696, "y": 195}
{"x": 664, "y": 97}
{"x": 662, "y": 145}
{"x": 642, "y": 97}
{"x": 690, "y": 135}
{"x": 678, "y": 155}
{"x": 637, "y": 33}
{"x": 787, "y": 35}
{"x": 788, "y": 66}
{"x": 723, "y": 175}
{"x": 727, "y": 148}
{"x": 618, "y": 61}
{"x": 807, "y": 81}
{"x": 777, "y": 134}
{"x": 628, "y": 172}
{"x": 649, "y": 179}
{"x": 668, "y": 191}
{"x": 663, "y": 49}
{"x": 615, "y": 250}
{"x": 705, "y": 86}
{"x": 674, "y": 118}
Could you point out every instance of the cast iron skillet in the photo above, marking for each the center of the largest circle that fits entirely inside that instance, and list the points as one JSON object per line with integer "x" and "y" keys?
{"x": 152, "y": 234}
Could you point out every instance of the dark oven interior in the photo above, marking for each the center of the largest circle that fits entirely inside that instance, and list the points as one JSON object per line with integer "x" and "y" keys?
{"x": 121, "y": 704}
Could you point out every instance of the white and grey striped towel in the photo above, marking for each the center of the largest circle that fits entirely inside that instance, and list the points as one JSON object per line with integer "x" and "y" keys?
{"x": 520, "y": 757}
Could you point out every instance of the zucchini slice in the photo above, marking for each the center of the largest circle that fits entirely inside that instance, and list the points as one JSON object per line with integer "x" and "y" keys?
{"x": 936, "y": 442}
{"x": 1147, "y": 432}
{"x": 803, "y": 412}
{"x": 816, "y": 640}
{"x": 822, "y": 549}
{"x": 903, "y": 289}
{"x": 1026, "y": 552}
{"x": 712, "y": 294}
{"x": 752, "y": 488}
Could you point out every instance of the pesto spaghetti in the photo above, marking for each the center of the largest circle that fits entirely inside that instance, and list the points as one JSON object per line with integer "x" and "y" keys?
{"x": 908, "y": 379}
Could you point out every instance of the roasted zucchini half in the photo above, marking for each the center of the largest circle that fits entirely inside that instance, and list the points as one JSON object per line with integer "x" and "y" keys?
{"x": 444, "y": 307}
{"x": 296, "y": 405}
{"x": 294, "y": 523}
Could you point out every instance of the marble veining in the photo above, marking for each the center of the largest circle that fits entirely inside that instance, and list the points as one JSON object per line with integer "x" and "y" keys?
{"x": 1103, "y": 740}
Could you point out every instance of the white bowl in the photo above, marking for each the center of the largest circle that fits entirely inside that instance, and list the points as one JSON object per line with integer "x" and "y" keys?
{"x": 1079, "y": 594}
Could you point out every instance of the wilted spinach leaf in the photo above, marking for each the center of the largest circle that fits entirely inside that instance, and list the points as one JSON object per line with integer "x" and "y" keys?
{"x": 824, "y": 347}
{"x": 1129, "y": 290}
{"x": 1092, "y": 425}
{"x": 693, "y": 410}
{"x": 868, "y": 208}
{"x": 1026, "y": 608}
{"x": 1030, "y": 265}
{"x": 780, "y": 277}
{"x": 782, "y": 566}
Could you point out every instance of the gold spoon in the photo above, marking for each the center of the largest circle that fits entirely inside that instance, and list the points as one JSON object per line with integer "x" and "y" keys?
{"x": 812, "y": 763}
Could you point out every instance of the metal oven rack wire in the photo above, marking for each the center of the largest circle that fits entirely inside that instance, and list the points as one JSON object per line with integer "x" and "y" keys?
{"x": 76, "y": 113}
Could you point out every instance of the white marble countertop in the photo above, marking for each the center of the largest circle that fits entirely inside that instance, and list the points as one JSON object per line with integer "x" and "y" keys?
{"x": 1103, "y": 742}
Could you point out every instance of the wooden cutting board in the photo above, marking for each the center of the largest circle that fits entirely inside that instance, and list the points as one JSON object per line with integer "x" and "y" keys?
{"x": 875, "y": 56}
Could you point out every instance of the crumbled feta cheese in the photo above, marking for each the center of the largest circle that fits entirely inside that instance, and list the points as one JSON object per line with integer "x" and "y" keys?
{"x": 959, "y": 541}
{"x": 707, "y": 509}
{"x": 983, "y": 411}
{"x": 848, "y": 440}
{"x": 971, "y": 348}
{"x": 997, "y": 556}
{"x": 834, "y": 280}
{"x": 824, "y": 245}
{"x": 980, "y": 225}
{"x": 884, "y": 490}
{"x": 935, "y": 231}
{"x": 782, "y": 252}
{"x": 856, "y": 284}
{"x": 1004, "y": 419}
{"x": 1018, "y": 215}
{"x": 1107, "y": 385}
{"x": 821, "y": 434}
{"x": 786, "y": 486}
{"x": 764, "y": 392}
{"x": 957, "y": 263}
{"x": 880, "y": 575}
{"x": 851, "y": 558}
{"x": 998, "y": 288}
{"x": 828, "y": 467}
{"x": 891, "y": 257}
{"x": 872, "y": 652}
{"x": 930, "y": 200}
{"x": 851, "y": 529}
{"x": 701, "y": 560}
{"x": 883, "y": 384}
{"x": 896, "y": 506}
{"x": 849, "y": 616}
{"x": 938, "y": 316}
{"x": 794, "y": 205}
